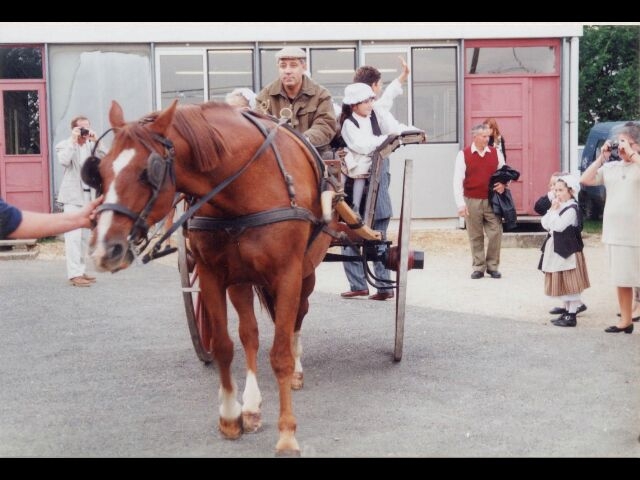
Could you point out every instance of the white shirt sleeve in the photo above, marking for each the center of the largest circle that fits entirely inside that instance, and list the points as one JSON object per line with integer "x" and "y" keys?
{"x": 393, "y": 90}
{"x": 360, "y": 140}
{"x": 388, "y": 124}
{"x": 552, "y": 221}
{"x": 459, "y": 172}
{"x": 501, "y": 161}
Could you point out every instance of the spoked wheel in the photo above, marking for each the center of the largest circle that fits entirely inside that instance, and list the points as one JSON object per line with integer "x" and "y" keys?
{"x": 404, "y": 235}
{"x": 198, "y": 326}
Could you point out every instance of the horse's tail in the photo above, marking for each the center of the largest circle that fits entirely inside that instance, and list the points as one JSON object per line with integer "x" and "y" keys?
{"x": 266, "y": 300}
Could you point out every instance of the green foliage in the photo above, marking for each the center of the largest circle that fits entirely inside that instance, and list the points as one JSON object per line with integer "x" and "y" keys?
{"x": 609, "y": 75}
{"x": 47, "y": 239}
{"x": 592, "y": 226}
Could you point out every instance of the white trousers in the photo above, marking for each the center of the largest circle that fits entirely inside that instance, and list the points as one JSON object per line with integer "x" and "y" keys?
{"x": 76, "y": 245}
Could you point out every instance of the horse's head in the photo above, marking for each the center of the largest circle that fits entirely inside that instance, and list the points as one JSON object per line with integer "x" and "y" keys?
{"x": 138, "y": 181}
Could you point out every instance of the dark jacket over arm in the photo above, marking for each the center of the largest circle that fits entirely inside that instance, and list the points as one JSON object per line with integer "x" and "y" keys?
{"x": 502, "y": 203}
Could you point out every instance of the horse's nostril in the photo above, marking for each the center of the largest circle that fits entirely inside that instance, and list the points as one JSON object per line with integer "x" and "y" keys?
{"x": 116, "y": 250}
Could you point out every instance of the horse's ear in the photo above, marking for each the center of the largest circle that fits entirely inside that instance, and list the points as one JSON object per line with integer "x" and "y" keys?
{"x": 164, "y": 119}
{"x": 116, "y": 116}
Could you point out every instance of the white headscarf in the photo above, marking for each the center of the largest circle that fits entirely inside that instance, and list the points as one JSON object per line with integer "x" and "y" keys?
{"x": 572, "y": 182}
{"x": 248, "y": 94}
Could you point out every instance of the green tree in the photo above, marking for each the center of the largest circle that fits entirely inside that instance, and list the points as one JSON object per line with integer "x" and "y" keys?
{"x": 609, "y": 75}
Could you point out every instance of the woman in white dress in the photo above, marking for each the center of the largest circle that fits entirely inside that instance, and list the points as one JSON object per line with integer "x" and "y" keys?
{"x": 621, "y": 217}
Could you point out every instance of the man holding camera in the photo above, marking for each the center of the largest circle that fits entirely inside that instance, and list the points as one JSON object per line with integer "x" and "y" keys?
{"x": 74, "y": 194}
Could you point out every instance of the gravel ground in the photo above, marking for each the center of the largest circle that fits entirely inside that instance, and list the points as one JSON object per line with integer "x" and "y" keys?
{"x": 444, "y": 284}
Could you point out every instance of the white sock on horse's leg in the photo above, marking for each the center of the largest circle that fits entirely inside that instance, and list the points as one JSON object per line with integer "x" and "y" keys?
{"x": 297, "y": 381}
{"x": 230, "y": 408}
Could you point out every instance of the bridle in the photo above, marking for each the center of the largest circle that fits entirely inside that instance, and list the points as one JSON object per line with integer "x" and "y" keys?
{"x": 159, "y": 170}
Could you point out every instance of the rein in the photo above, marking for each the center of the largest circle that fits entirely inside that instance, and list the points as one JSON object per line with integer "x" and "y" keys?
{"x": 155, "y": 252}
{"x": 158, "y": 169}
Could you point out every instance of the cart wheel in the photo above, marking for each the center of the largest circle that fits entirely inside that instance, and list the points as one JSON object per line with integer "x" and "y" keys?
{"x": 198, "y": 327}
{"x": 404, "y": 235}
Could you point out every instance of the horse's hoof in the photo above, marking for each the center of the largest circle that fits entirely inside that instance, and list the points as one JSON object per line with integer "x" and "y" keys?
{"x": 288, "y": 453}
{"x": 297, "y": 380}
{"x": 251, "y": 422}
{"x": 231, "y": 429}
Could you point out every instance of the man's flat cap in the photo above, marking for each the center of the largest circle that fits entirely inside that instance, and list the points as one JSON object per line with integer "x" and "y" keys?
{"x": 291, "y": 52}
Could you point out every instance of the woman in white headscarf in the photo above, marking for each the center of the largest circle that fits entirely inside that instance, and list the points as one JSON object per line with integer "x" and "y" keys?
{"x": 242, "y": 98}
{"x": 621, "y": 217}
{"x": 563, "y": 262}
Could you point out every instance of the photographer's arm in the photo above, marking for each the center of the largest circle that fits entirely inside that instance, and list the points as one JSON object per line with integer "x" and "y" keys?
{"x": 588, "y": 177}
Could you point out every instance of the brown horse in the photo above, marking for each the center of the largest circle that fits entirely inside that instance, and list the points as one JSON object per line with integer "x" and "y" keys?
{"x": 193, "y": 149}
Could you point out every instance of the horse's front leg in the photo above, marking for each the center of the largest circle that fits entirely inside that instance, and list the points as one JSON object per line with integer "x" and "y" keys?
{"x": 241, "y": 297}
{"x": 214, "y": 297}
{"x": 287, "y": 301}
{"x": 308, "y": 284}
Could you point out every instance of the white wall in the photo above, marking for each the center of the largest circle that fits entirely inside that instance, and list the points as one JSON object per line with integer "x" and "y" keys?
{"x": 432, "y": 180}
{"x": 181, "y": 32}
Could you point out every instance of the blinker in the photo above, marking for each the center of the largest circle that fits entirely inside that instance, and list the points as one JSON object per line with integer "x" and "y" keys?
{"x": 90, "y": 173}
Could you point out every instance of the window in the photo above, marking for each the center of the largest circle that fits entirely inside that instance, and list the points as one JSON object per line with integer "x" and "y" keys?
{"x": 181, "y": 77}
{"x": 435, "y": 101}
{"x": 229, "y": 69}
{"x": 21, "y": 122}
{"x": 333, "y": 68}
{"x": 20, "y": 62}
{"x": 268, "y": 67}
{"x": 506, "y": 60}
{"x": 388, "y": 63}
{"x": 84, "y": 79}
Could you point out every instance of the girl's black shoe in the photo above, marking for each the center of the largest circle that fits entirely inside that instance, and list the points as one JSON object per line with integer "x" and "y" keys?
{"x": 566, "y": 320}
{"x": 615, "y": 329}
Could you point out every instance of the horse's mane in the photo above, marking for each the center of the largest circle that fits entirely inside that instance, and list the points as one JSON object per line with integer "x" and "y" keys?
{"x": 207, "y": 145}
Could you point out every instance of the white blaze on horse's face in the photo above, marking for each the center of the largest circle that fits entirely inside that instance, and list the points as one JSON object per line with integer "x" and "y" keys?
{"x": 111, "y": 196}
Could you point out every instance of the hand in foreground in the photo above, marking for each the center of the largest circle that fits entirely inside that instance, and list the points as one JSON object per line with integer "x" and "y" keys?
{"x": 88, "y": 213}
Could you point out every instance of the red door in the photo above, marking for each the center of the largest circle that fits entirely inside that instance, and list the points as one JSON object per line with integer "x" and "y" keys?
{"x": 525, "y": 104}
{"x": 506, "y": 100}
{"x": 24, "y": 165}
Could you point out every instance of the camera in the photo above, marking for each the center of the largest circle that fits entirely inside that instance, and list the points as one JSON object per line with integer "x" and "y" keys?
{"x": 615, "y": 155}
{"x": 84, "y": 132}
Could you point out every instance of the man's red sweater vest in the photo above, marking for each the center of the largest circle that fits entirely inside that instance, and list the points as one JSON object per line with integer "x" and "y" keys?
{"x": 478, "y": 172}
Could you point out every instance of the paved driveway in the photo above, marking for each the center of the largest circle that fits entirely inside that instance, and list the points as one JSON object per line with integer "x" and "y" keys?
{"x": 110, "y": 371}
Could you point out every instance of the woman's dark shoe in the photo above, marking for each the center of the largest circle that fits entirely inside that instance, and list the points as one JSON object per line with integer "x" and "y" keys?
{"x": 615, "y": 329}
{"x": 566, "y": 320}
{"x": 633, "y": 319}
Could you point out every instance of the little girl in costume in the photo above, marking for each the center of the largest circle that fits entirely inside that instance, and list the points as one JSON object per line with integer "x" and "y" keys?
{"x": 363, "y": 130}
{"x": 563, "y": 262}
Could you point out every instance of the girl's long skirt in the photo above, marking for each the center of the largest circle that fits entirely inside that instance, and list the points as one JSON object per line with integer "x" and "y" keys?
{"x": 567, "y": 282}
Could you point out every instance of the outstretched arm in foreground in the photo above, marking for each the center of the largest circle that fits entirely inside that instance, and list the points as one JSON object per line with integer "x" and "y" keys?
{"x": 38, "y": 225}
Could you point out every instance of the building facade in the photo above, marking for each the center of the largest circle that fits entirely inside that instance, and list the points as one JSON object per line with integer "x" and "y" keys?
{"x": 524, "y": 75}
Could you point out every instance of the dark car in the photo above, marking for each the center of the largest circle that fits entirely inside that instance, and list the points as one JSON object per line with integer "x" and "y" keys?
{"x": 591, "y": 199}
